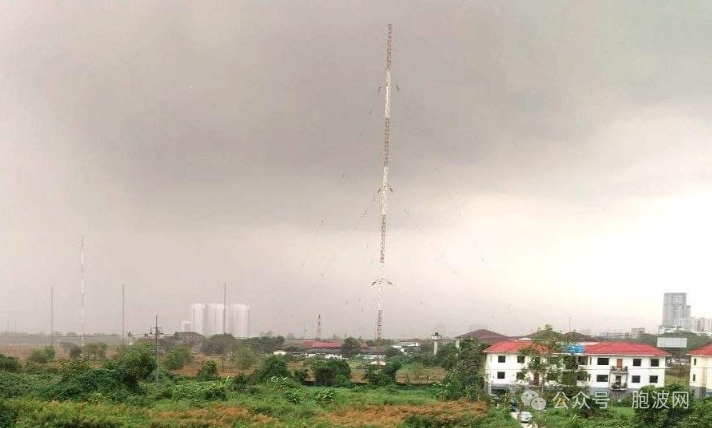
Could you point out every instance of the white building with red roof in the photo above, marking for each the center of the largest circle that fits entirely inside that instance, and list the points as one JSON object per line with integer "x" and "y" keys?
{"x": 614, "y": 367}
{"x": 701, "y": 371}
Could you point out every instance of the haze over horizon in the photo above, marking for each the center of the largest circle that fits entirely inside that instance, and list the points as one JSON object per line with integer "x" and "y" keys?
{"x": 549, "y": 161}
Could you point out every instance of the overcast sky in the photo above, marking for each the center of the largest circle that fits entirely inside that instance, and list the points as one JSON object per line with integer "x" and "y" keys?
{"x": 550, "y": 163}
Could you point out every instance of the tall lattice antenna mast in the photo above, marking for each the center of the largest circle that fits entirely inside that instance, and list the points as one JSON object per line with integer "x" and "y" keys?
{"x": 81, "y": 310}
{"x": 384, "y": 186}
{"x": 318, "y": 327}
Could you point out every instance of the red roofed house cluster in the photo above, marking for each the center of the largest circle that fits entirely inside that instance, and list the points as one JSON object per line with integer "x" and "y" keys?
{"x": 615, "y": 367}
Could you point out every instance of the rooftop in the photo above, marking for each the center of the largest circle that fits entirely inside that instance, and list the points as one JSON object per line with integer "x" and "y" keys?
{"x": 703, "y": 351}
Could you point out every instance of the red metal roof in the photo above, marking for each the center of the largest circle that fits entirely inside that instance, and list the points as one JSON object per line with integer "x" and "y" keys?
{"x": 703, "y": 351}
{"x": 600, "y": 348}
{"x": 623, "y": 348}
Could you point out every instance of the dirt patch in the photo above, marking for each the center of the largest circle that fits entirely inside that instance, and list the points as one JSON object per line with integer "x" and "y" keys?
{"x": 392, "y": 416}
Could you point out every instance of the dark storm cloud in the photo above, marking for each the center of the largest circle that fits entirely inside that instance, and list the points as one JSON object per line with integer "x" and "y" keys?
{"x": 226, "y": 136}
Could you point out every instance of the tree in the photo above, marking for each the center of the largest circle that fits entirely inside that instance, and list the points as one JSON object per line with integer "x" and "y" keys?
{"x": 700, "y": 416}
{"x": 209, "y": 371}
{"x": 273, "y": 366}
{"x": 351, "y": 347}
{"x": 382, "y": 376}
{"x": 95, "y": 351}
{"x": 218, "y": 344}
{"x": 547, "y": 361}
{"x": 447, "y": 356}
{"x": 331, "y": 373}
{"x": 177, "y": 357}
{"x": 668, "y": 416}
{"x": 393, "y": 352}
{"x": 9, "y": 364}
{"x": 244, "y": 357}
{"x": 41, "y": 356}
{"x": 264, "y": 344}
{"x": 133, "y": 364}
{"x": 465, "y": 379}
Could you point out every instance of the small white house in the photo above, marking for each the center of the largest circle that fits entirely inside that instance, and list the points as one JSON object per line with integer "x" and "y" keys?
{"x": 614, "y": 367}
{"x": 701, "y": 371}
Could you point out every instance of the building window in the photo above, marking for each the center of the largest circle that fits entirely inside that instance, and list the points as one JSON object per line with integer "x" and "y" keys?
{"x": 694, "y": 362}
{"x": 636, "y": 362}
{"x": 520, "y": 376}
{"x": 654, "y": 362}
{"x": 653, "y": 379}
{"x": 635, "y": 379}
{"x": 602, "y": 378}
{"x": 500, "y": 375}
{"x": 520, "y": 359}
{"x": 602, "y": 361}
{"x": 694, "y": 377}
{"x": 501, "y": 358}
{"x": 582, "y": 361}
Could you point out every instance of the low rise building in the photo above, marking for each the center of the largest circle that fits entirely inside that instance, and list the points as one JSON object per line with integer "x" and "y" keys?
{"x": 615, "y": 367}
{"x": 701, "y": 371}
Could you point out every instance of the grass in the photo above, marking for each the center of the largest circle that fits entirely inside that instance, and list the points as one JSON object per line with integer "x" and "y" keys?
{"x": 260, "y": 406}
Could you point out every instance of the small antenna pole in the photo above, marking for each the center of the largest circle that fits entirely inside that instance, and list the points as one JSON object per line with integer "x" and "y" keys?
{"x": 123, "y": 315}
{"x": 224, "y": 306}
{"x": 51, "y": 316}
{"x": 81, "y": 310}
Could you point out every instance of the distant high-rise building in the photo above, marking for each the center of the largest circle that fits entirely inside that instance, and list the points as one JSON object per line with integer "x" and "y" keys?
{"x": 197, "y": 318}
{"x": 214, "y": 319}
{"x": 208, "y": 319}
{"x": 675, "y": 310}
{"x": 241, "y": 321}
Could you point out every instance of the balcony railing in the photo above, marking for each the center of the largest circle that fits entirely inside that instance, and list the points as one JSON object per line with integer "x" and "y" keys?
{"x": 616, "y": 369}
{"x": 619, "y": 387}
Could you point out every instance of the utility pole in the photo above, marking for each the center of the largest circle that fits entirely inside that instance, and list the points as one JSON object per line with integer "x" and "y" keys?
{"x": 156, "y": 332}
{"x": 81, "y": 310}
{"x": 51, "y": 316}
{"x": 123, "y": 316}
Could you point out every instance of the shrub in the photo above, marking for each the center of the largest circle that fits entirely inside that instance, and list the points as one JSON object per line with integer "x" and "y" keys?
{"x": 177, "y": 357}
{"x": 41, "y": 356}
{"x": 7, "y": 416}
{"x": 273, "y": 366}
{"x": 200, "y": 391}
{"x": 325, "y": 396}
{"x": 293, "y": 396}
{"x": 239, "y": 383}
{"x": 9, "y": 364}
{"x": 244, "y": 357}
{"x": 89, "y": 385}
{"x": 209, "y": 371}
{"x": 14, "y": 385}
{"x": 132, "y": 365}
{"x": 332, "y": 373}
{"x": 386, "y": 375}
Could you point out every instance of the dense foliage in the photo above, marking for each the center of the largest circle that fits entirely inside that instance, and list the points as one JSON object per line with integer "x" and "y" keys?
{"x": 331, "y": 373}
{"x": 9, "y": 364}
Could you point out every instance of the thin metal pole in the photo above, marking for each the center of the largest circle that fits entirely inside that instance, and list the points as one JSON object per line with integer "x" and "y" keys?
{"x": 82, "y": 292}
{"x": 51, "y": 322}
{"x": 224, "y": 307}
{"x": 156, "y": 332}
{"x": 123, "y": 316}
